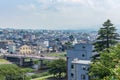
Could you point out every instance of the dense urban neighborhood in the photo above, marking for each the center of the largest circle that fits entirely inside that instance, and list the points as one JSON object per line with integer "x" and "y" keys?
{"x": 59, "y": 39}
{"x": 59, "y": 54}
{"x": 40, "y": 41}
{"x": 34, "y": 48}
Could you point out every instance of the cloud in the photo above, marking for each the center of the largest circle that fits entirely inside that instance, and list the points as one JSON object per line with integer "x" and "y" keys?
{"x": 62, "y": 13}
{"x": 27, "y": 7}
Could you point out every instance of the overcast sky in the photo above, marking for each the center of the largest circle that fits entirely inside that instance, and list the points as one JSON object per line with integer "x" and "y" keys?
{"x": 58, "y": 14}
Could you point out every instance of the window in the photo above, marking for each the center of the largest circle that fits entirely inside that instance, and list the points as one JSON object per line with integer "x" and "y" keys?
{"x": 83, "y": 55}
{"x": 83, "y": 77}
{"x": 84, "y": 68}
{"x": 83, "y": 47}
{"x": 72, "y": 66}
{"x": 88, "y": 69}
{"x": 72, "y": 75}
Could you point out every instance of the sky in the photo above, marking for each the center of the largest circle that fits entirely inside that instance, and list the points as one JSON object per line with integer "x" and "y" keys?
{"x": 58, "y": 14}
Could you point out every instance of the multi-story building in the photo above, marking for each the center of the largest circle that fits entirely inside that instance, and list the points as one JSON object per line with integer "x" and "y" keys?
{"x": 78, "y": 61}
{"x": 11, "y": 48}
{"x": 25, "y": 49}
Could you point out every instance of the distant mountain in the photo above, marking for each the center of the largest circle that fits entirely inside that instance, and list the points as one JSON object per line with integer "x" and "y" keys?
{"x": 65, "y": 30}
{"x": 81, "y": 30}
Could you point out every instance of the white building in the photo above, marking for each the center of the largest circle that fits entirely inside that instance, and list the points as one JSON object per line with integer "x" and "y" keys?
{"x": 78, "y": 60}
{"x": 75, "y": 41}
{"x": 46, "y": 43}
{"x": 11, "y": 48}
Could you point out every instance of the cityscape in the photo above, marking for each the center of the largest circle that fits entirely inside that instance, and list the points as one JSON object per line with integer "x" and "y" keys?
{"x": 32, "y": 48}
{"x": 59, "y": 40}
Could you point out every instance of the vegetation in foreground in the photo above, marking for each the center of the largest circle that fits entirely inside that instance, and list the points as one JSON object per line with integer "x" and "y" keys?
{"x": 13, "y": 72}
{"x": 58, "y": 68}
{"x": 106, "y": 65}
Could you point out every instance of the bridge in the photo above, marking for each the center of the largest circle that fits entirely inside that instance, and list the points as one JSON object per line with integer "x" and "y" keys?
{"x": 33, "y": 56}
{"x": 19, "y": 59}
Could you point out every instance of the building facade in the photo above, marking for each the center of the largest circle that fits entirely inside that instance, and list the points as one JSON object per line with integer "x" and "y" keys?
{"x": 12, "y": 48}
{"x": 78, "y": 61}
{"x": 25, "y": 50}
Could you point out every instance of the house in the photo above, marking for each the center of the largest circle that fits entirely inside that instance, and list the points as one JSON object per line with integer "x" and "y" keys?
{"x": 78, "y": 61}
{"x": 25, "y": 49}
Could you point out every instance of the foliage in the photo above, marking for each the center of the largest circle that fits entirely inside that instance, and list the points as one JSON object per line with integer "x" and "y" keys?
{"x": 108, "y": 66}
{"x": 12, "y": 72}
{"x": 107, "y": 36}
{"x": 36, "y": 61}
{"x": 57, "y": 67}
{"x": 71, "y": 37}
{"x": 26, "y": 70}
{"x": 68, "y": 45}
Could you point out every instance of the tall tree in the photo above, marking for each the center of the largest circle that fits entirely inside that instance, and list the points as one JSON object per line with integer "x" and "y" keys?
{"x": 107, "y": 36}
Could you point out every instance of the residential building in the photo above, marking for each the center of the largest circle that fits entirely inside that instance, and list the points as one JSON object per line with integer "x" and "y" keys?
{"x": 25, "y": 49}
{"x": 78, "y": 61}
{"x": 12, "y": 48}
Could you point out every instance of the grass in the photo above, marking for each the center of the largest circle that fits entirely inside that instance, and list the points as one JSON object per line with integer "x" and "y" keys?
{"x": 3, "y": 61}
{"x": 61, "y": 55}
{"x": 43, "y": 78}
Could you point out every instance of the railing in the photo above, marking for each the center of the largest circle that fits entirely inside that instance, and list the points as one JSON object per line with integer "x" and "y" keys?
{"x": 30, "y": 56}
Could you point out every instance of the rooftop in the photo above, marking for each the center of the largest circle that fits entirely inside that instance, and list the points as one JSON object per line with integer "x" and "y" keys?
{"x": 76, "y": 61}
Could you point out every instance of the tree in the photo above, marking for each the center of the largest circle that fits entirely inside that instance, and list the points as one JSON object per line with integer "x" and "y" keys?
{"x": 108, "y": 66}
{"x": 71, "y": 37}
{"x": 107, "y": 37}
{"x": 57, "y": 67}
{"x": 68, "y": 45}
{"x": 12, "y": 72}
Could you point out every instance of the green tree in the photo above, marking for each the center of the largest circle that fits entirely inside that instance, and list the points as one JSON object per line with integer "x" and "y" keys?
{"x": 57, "y": 67}
{"x": 108, "y": 66}
{"x": 71, "y": 37}
{"x": 12, "y": 72}
{"x": 68, "y": 45}
{"x": 107, "y": 36}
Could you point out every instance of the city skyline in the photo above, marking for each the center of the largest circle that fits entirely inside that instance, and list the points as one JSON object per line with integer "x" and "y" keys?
{"x": 58, "y": 14}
